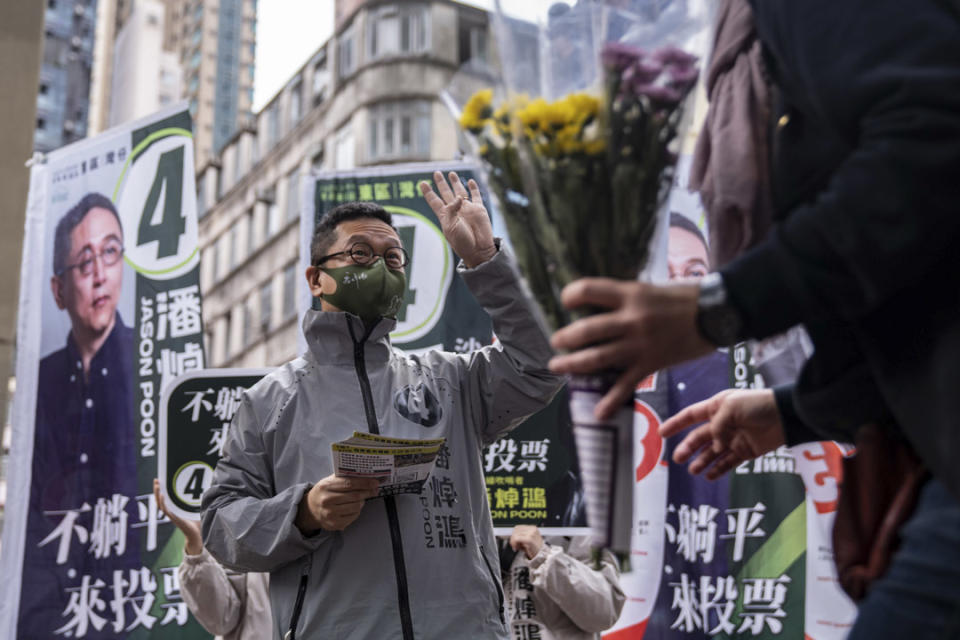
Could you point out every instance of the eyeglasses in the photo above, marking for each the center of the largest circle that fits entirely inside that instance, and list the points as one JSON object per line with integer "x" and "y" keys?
{"x": 362, "y": 253}
{"x": 110, "y": 255}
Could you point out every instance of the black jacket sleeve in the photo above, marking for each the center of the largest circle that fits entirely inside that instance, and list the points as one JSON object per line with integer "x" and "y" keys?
{"x": 885, "y": 75}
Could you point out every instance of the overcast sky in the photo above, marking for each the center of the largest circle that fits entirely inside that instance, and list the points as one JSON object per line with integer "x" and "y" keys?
{"x": 289, "y": 31}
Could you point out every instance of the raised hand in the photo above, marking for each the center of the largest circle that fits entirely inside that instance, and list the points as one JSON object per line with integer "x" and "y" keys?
{"x": 463, "y": 218}
{"x": 740, "y": 425}
{"x": 190, "y": 528}
{"x": 528, "y": 538}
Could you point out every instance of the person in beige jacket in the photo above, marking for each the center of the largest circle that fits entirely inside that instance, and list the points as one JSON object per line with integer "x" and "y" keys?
{"x": 229, "y": 604}
{"x": 553, "y": 589}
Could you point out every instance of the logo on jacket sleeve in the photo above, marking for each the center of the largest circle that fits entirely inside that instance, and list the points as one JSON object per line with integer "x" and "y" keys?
{"x": 418, "y": 404}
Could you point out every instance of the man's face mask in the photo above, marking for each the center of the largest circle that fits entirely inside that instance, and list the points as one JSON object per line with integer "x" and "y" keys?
{"x": 370, "y": 292}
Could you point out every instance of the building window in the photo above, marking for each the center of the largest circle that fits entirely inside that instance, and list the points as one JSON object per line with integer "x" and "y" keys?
{"x": 290, "y": 291}
{"x": 273, "y": 126}
{"x": 248, "y": 322}
{"x": 273, "y": 219}
{"x": 223, "y": 257}
{"x": 293, "y": 195}
{"x": 296, "y": 104}
{"x": 346, "y": 59}
{"x": 472, "y": 42}
{"x": 397, "y": 29}
{"x": 316, "y": 162}
{"x": 266, "y": 305}
{"x": 41, "y": 124}
{"x": 321, "y": 78}
{"x": 344, "y": 148}
{"x": 236, "y": 255}
{"x": 399, "y": 130}
{"x": 251, "y": 237}
{"x": 227, "y": 346}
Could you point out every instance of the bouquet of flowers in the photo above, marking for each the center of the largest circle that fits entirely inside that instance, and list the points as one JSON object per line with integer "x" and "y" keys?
{"x": 601, "y": 168}
{"x": 582, "y": 180}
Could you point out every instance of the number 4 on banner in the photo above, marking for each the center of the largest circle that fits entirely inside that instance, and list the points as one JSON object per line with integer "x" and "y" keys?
{"x": 167, "y": 226}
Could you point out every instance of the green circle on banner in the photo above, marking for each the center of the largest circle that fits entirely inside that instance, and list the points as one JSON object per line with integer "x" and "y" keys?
{"x": 185, "y": 479}
{"x": 139, "y": 149}
{"x": 403, "y": 211}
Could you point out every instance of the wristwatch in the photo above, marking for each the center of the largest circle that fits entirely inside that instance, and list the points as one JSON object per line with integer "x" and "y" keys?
{"x": 718, "y": 321}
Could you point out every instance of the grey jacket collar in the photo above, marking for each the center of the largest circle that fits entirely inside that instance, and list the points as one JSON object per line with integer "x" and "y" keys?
{"x": 331, "y": 336}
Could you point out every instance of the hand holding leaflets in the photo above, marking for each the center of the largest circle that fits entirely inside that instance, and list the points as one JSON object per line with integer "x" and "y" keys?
{"x": 400, "y": 465}
{"x": 365, "y": 466}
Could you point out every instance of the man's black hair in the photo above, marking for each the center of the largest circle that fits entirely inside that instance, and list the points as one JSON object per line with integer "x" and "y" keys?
{"x": 70, "y": 220}
{"x": 683, "y": 222}
{"x": 326, "y": 232}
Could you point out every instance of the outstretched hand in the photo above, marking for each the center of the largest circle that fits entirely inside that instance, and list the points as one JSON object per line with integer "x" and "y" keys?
{"x": 190, "y": 528}
{"x": 740, "y": 425}
{"x": 463, "y": 218}
{"x": 648, "y": 327}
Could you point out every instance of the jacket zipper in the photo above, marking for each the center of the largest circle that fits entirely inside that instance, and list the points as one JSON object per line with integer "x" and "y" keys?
{"x": 399, "y": 566}
{"x": 291, "y": 633}
{"x": 496, "y": 583}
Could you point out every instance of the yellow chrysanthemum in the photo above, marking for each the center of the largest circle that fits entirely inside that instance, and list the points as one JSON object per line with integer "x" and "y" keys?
{"x": 595, "y": 147}
{"x": 477, "y": 111}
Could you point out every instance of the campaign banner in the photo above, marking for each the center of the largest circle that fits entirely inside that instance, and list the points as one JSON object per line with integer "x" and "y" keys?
{"x": 110, "y": 311}
{"x": 748, "y": 555}
{"x": 195, "y": 414}
{"x": 531, "y": 474}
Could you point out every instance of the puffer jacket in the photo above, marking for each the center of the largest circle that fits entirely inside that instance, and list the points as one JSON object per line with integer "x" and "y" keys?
{"x": 229, "y": 604}
{"x": 411, "y": 566}
{"x": 560, "y": 594}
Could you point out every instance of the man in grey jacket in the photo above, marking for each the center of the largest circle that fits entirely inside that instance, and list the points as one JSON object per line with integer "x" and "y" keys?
{"x": 343, "y": 565}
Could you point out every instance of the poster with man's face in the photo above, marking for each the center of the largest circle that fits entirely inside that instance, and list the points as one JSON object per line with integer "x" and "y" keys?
{"x": 111, "y": 311}
{"x": 747, "y": 555}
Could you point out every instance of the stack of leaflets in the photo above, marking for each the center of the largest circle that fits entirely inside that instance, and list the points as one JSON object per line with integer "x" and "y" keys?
{"x": 401, "y": 466}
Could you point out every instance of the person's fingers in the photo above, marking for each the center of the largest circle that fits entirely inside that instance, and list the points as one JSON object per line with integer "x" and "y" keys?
{"x": 433, "y": 200}
{"x": 694, "y": 414}
{"x": 351, "y": 497}
{"x": 442, "y": 187}
{"x": 620, "y": 394}
{"x": 595, "y": 292}
{"x": 591, "y": 330}
{"x": 725, "y": 427}
{"x": 475, "y": 196}
{"x": 604, "y": 356}
{"x": 158, "y": 496}
{"x": 458, "y": 188}
{"x": 695, "y": 441}
{"x": 704, "y": 460}
{"x": 338, "y": 484}
{"x": 454, "y": 207}
{"x": 723, "y": 464}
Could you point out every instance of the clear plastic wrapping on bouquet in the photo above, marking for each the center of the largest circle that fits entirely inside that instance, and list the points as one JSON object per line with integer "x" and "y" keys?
{"x": 579, "y": 133}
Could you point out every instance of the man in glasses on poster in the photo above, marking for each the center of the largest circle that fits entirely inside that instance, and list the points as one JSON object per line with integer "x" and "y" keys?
{"x": 84, "y": 447}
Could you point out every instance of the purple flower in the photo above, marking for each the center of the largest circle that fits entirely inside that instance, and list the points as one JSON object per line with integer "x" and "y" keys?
{"x": 660, "y": 95}
{"x": 683, "y": 78}
{"x": 645, "y": 71}
{"x": 674, "y": 57}
{"x": 618, "y": 56}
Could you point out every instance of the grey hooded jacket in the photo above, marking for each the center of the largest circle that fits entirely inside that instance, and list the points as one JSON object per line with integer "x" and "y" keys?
{"x": 411, "y": 566}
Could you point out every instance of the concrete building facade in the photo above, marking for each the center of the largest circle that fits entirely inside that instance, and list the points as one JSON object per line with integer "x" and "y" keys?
{"x": 368, "y": 96}
{"x": 145, "y": 77}
{"x": 214, "y": 44}
{"x": 63, "y": 91}
{"x": 215, "y": 41}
